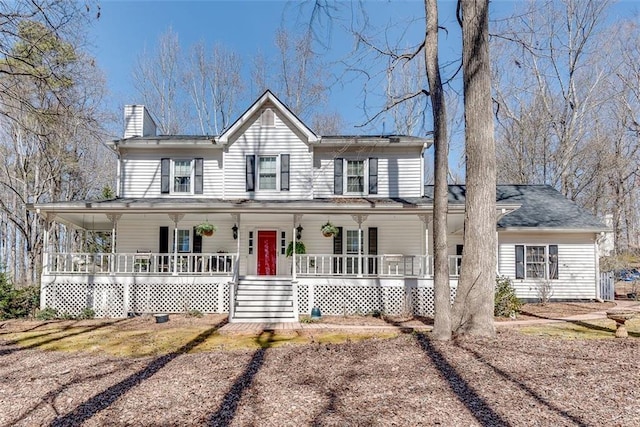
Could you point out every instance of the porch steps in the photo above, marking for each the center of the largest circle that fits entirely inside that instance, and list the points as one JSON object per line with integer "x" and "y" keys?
{"x": 264, "y": 300}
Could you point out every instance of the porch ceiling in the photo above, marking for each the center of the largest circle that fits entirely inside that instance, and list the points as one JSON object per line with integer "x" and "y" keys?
{"x": 95, "y": 215}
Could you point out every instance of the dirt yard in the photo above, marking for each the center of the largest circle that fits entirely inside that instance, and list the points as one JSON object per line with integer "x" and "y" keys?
{"x": 515, "y": 379}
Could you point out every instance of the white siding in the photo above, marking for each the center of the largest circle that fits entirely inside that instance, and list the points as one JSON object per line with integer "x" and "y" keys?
{"x": 576, "y": 264}
{"x": 259, "y": 140}
{"x": 398, "y": 170}
{"x": 142, "y": 232}
{"x": 140, "y": 171}
{"x": 138, "y": 121}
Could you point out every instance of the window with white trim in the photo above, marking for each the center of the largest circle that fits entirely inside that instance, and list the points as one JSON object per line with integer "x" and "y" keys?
{"x": 184, "y": 241}
{"x": 355, "y": 176}
{"x": 267, "y": 176}
{"x": 351, "y": 246}
{"x": 537, "y": 261}
{"x": 182, "y": 176}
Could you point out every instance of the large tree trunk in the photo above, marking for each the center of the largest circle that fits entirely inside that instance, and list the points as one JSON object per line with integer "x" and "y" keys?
{"x": 473, "y": 307}
{"x": 442, "y": 321}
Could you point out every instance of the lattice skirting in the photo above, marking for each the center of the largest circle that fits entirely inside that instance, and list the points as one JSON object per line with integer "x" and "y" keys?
{"x": 344, "y": 299}
{"x": 119, "y": 299}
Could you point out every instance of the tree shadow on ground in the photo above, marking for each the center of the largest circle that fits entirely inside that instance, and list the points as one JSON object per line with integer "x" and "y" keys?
{"x": 40, "y": 325}
{"x": 229, "y": 405}
{"x": 476, "y": 405}
{"x": 37, "y": 344}
{"x": 333, "y": 398}
{"x": 573, "y": 419}
{"x": 407, "y": 329}
{"x": 582, "y": 323}
{"x": 103, "y": 400}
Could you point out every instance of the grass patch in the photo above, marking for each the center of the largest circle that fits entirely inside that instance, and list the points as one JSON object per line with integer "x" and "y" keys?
{"x": 588, "y": 329}
{"x": 140, "y": 342}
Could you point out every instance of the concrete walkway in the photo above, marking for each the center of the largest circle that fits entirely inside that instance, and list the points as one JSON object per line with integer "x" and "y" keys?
{"x": 308, "y": 328}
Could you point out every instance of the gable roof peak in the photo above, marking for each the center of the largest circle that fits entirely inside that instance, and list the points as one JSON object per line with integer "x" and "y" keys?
{"x": 267, "y": 97}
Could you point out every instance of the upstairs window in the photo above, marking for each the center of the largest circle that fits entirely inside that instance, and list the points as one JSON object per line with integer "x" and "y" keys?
{"x": 355, "y": 176}
{"x": 182, "y": 176}
{"x": 267, "y": 173}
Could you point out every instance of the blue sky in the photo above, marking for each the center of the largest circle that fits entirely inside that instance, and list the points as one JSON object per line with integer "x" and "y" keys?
{"x": 126, "y": 28}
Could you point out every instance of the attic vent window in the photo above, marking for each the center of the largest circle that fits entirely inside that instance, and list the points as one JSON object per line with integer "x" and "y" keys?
{"x": 268, "y": 118}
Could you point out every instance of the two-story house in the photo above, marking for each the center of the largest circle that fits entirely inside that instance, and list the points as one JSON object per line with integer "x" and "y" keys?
{"x": 269, "y": 183}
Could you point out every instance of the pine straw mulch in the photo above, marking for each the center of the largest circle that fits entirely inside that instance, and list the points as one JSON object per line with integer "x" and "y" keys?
{"x": 514, "y": 379}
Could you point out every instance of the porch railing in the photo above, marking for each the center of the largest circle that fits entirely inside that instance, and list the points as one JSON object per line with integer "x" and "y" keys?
{"x": 386, "y": 265}
{"x": 140, "y": 263}
{"x": 371, "y": 265}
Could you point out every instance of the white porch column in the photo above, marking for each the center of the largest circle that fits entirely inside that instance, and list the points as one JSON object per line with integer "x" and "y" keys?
{"x": 296, "y": 219}
{"x": 426, "y": 219}
{"x": 114, "y": 218}
{"x": 175, "y": 218}
{"x": 359, "y": 219}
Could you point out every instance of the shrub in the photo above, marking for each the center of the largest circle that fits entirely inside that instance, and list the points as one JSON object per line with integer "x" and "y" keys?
{"x": 47, "y": 314}
{"x": 17, "y": 302}
{"x": 87, "y": 313}
{"x": 194, "y": 313}
{"x": 506, "y": 303}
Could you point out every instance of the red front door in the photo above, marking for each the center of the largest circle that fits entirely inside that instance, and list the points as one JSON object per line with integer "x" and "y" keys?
{"x": 267, "y": 253}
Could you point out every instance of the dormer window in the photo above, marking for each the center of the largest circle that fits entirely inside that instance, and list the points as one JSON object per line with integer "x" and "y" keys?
{"x": 267, "y": 119}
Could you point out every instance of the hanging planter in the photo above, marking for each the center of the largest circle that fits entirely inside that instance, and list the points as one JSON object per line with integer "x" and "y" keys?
{"x": 300, "y": 249}
{"x": 205, "y": 229}
{"x": 329, "y": 230}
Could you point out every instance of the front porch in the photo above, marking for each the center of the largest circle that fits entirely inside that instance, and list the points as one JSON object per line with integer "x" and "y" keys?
{"x": 124, "y": 284}
{"x": 224, "y": 264}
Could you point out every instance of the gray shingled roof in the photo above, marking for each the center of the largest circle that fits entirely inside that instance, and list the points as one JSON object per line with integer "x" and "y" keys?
{"x": 542, "y": 207}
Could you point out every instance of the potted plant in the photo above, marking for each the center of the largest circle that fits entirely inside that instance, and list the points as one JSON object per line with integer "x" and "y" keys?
{"x": 329, "y": 230}
{"x": 300, "y": 249}
{"x": 205, "y": 229}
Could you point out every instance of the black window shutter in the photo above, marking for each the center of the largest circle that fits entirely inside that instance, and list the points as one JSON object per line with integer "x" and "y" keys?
{"x": 519, "y": 262}
{"x": 373, "y": 175}
{"x": 163, "y": 248}
{"x": 337, "y": 176}
{"x": 553, "y": 262}
{"x": 251, "y": 172}
{"x": 197, "y": 242}
{"x": 163, "y": 245}
{"x": 165, "y": 165}
{"x": 284, "y": 172}
{"x": 337, "y": 250}
{"x": 373, "y": 250}
{"x": 199, "y": 176}
{"x": 459, "y": 249}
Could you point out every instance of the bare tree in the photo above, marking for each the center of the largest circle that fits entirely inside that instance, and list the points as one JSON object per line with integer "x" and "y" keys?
{"x": 442, "y": 288}
{"x": 157, "y": 78}
{"x": 473, "y": 305}
{"x": 213, "y": 81}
